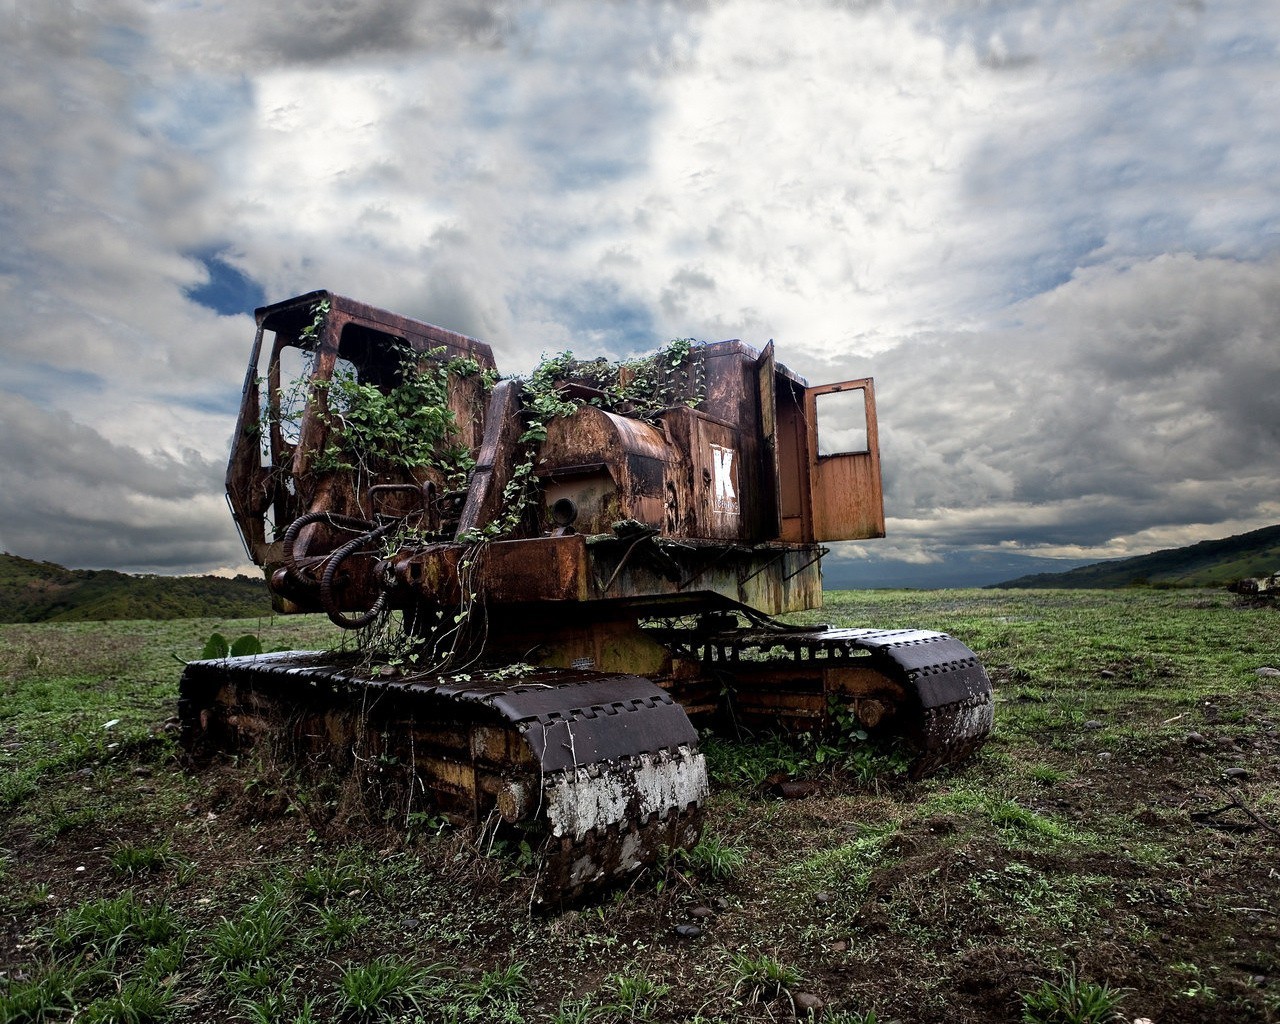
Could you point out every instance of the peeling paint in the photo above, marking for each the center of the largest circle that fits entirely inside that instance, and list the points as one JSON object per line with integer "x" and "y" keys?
{"x": 580, "y": 801}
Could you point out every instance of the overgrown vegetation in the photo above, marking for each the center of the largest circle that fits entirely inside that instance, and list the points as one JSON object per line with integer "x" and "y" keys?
{"x": 402, "y": 423}
{"x": 561, "y": 384}
{"x": 1092, "y": 859}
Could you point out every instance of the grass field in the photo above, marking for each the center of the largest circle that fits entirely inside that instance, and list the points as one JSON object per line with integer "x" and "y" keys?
{"x": 1113, "y": 850}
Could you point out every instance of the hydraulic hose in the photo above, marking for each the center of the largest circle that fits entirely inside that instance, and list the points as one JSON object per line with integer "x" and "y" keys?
{"x": 335, "y": 560}
{"x": 297, "y": 526}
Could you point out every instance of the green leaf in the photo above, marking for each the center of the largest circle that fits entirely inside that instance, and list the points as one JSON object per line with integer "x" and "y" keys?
{"x": 215, "y": 647}
{"x": 246, "y": 645}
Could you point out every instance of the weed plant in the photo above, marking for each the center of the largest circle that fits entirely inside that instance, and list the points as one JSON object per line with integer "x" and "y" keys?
{"x": 1069, "y": 1000}
{"x": 759, "y": 977}
{"x": 713, "y": 857}
{"x": 253, "y": 938}
{"x": 114, "y": 924}
{"x": 385, "y": 987}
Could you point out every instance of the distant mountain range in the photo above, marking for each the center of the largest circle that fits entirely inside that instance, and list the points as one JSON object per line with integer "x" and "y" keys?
{"x": 33, "y": 591}
{"x": 45, "y": 592}
{"x": 1211, "y": 563}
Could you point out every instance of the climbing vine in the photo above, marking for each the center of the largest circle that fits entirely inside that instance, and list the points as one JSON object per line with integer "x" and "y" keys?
{"x": 371, "y": 427}
{"x": 561, "y": 384}
{"x": 407, "y": 424}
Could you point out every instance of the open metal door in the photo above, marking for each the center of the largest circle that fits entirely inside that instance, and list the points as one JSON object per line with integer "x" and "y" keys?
{"x": 846, "y": 497}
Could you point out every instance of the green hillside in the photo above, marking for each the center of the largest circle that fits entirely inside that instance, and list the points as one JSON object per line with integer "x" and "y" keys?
{"x": 1211, "y": 563}
{"x": 44, "y": 592}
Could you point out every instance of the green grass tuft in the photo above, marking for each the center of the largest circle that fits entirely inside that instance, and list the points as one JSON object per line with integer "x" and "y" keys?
{"x": 110, "y": 925}
{"x": 384, "y": 988}
{"x": 1071, "y": 1001}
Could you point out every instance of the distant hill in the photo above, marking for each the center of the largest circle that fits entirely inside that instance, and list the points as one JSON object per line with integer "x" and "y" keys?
{"x": 1211, "y": 563}
{"x": 45, "y": 592}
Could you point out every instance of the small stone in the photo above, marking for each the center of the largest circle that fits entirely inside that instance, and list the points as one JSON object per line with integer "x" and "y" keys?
{"x": 1106, "y": 673}
{"x": 701, "y": 913}
{"x": 1104, "y": 755}
{"x": 1237, "y": 774}
{"x": 1267, "y": 670}
{"x": 688, "y": 931}
{"x": 409, "y": 924}
{"x": 823, "y": 897}
{"x": 1258, "y": 979}
{"x": 840, "y": 946}
{"x": 721, "y": 903}
{"x": 807, "y": 1005}
{"x": 1093, "y": 724}
{"x": 1195, "y": 738}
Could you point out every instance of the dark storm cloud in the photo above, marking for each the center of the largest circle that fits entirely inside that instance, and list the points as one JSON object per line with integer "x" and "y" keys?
{"x": 73, "y": 497}
{"x": 1118, "y": 403}
{"x": 323, "y": 30}
{"x": 250, "y": 34}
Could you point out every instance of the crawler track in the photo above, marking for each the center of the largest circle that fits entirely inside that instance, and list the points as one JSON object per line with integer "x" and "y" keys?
{"x": 930, "y": 686}
{"x": 602, "y": 770}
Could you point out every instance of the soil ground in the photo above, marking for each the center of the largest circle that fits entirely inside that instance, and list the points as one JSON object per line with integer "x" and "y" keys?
{"x": 1119, "y": 831}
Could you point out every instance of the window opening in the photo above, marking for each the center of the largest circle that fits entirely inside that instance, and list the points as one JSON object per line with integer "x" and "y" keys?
{"x": 294, "y": 377}
{"x": 842, "y": 422}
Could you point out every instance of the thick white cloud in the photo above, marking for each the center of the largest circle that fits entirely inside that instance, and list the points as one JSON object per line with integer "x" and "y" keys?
{"x": 1048, "y": 228}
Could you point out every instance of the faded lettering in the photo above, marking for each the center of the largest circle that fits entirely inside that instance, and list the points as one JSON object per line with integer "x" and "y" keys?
{"x": 725, "y": 493}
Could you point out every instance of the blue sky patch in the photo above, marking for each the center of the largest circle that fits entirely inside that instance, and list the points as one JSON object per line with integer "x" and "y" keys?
{"x": 227, "y": 292}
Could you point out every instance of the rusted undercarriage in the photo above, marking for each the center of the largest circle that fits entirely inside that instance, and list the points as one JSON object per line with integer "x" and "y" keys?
{"x": 574, "y": 588}
{"x": 602, "y": 770}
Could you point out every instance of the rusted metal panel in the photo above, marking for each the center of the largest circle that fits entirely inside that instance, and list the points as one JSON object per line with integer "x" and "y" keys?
{"x": 500, "y": 747}
{"x": 860, "y": 682}
{"x": 795, "y": 503}
{"x": 495, "y": 462}
{"x": 768, "y": 525}
{"x": 551, "y": 567}
{"x": 609, "y": 466}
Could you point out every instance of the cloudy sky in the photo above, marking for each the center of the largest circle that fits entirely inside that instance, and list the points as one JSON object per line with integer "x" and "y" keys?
{"x": 1050, "y": 229}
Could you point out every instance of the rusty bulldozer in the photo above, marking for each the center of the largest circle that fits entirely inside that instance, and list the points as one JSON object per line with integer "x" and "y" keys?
{"x": 555, "y": 577}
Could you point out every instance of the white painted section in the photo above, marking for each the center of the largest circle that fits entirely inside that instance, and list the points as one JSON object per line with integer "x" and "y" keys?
{"x": 973, "y": 721}
{"x": 579, "y": 802}
{"x": 725, "y": 491}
